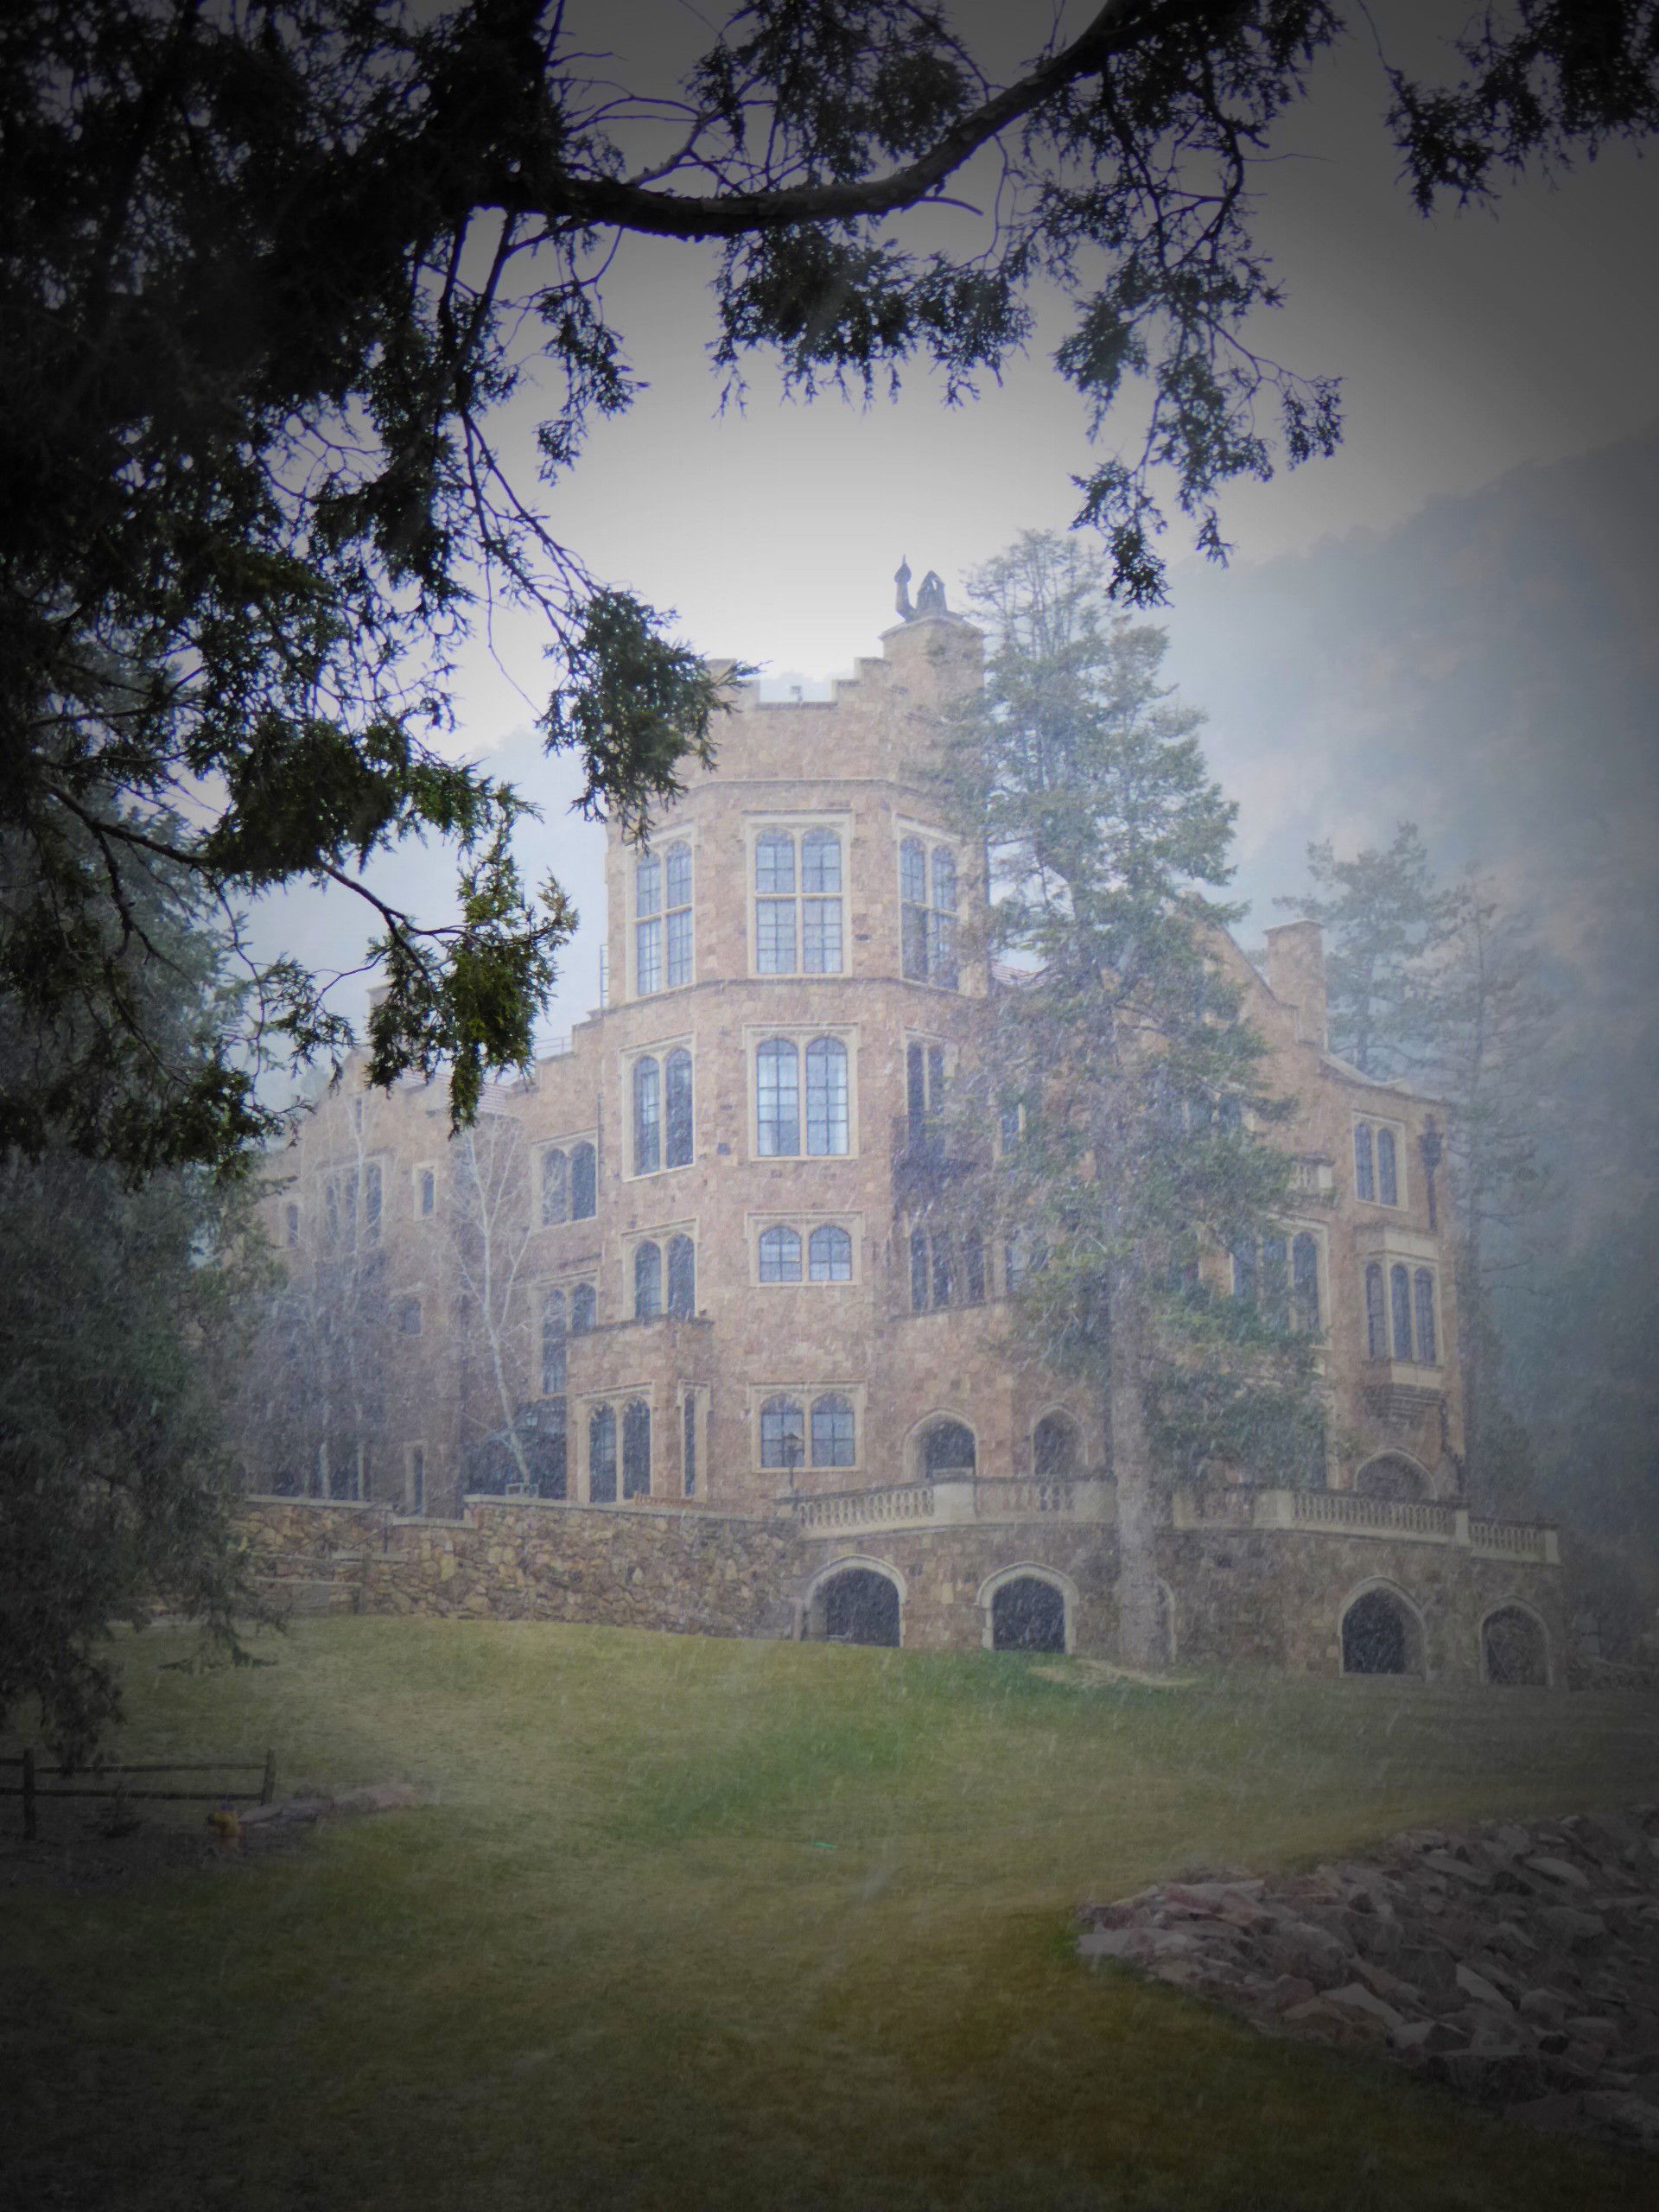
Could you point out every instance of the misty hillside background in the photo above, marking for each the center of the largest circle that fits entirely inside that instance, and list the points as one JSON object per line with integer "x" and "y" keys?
{"x": 1489, "y": 669}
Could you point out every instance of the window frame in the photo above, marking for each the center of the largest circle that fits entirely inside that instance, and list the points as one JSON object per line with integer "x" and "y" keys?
{"x": 1374, "y": 1127}
{"x": 660, "y": 1050}
{"x": 802, "y": 1035}
{"x": 570, "y": 1146}
{"x": 662, "y": 1234}
{"x": 804, "y": 1226}
{"x": 932, "y": 842}
{"x": 798, "y": 827}
{"x": 677, "y": 834}
{"x": 807, "y": 1395}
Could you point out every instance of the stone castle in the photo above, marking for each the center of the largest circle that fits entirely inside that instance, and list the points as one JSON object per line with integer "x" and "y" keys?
{"x": 676, "y": 1337}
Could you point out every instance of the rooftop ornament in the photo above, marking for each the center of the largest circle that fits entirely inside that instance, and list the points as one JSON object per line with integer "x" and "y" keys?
{"x": 930, "y": 599}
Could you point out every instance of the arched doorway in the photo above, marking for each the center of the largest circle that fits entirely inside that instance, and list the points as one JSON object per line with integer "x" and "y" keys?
{"x": 1392, "y": 1476}
{"x": 947, "y": 1448}
{"x": 1381, "y": 1635}
{"x": 857, "y": 1605}
{"x": 1054, "y": 1446}
{"x": 1514, "y": 1653}
{"x": 1028, "y": 1614}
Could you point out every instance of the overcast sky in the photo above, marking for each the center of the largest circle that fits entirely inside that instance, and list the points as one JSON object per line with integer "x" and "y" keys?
{"x": 1467, "y": 345}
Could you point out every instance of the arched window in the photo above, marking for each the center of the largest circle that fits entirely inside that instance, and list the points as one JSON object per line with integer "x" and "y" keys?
{"x": 1427, "y": 1342}
{"x": 829, "y": 1254}
{"x": 1376, "y": 1338}
{"x": 1388, "y": 1182}
{"x": 1054, "y": 1446}
{"x": 944, "y": 1270}
{"x": 919, "y": 1275}
{"x": 1381, "y": 1635}
{"x": 834, "y": 1440}
{"x": 821, "y": 903}
{"x": 1400, "y": 1310}
{"x": 676, "y": 900}
{"x": 1304, "y": 1281}
{"x": 783, "y": 1433}
{"x": 973, "y": 1267}
{"x": 1275, "y": 1279}
{"x": 553, "y": 1344}
{"x": 647, "y": 1116}
{"x": 584, "y": 1305}
{"x": 777, "y": 1098}
{"x": 688, "y": 1444}
{"x": 676, "y": 1079}
{"x": 912, "y": 893}
{"x": 775, "y": 903}
{"x": 826, "y": 1098}
{"x": 947, "y": 1448}
{"x": 648, "y": 925}
{"x": 584, "y": 1183}
{"x": 647, "y": 1281}
{"x": 682, "y": 1277}
{"x": 780, "y": 1255}
{"x": 601, "y": 1456}
{"x": 636, "y": 1450}
{"x": 927, "y": 915}
{"x": 1364, "y": 1175}
{"x": 555, "y": 1186}
{"x": 1245, "y": 1272}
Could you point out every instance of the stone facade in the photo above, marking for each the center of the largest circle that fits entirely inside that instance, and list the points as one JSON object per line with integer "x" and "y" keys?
{"x": 672, "y": 1278}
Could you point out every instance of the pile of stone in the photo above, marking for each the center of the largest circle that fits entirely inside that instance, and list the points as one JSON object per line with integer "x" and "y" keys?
{"x": 1518, "y": 1965}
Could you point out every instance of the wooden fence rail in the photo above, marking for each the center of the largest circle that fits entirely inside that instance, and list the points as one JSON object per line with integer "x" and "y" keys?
{"x": 30, "y": 1791}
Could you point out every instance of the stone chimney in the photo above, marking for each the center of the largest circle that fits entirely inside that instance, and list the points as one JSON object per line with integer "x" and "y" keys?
{"x": 1296, "y": 976}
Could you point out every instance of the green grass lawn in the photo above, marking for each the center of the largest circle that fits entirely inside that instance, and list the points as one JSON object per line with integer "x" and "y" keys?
{"x": 701, "y": 1924}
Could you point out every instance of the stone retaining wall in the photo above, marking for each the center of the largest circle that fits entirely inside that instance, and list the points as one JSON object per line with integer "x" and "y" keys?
{"x": 1272, "y": 1598}
{"x": 704, "y": 1573}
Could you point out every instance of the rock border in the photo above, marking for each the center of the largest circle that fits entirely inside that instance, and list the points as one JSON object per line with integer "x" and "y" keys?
{"x": 1516, "y": 1963}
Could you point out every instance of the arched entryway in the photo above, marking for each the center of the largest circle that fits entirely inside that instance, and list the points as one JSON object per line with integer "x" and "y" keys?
{"x": 1392, "y": 1475}
{"x": 1514, "y": 1649}
{"x": 945, "y": 1447}
{"x": 1382, "y": 1634}
{"x": 854, "y": 1603}
{"x": 1054, "y": 1446}
{"x": 1027, "y": 1608}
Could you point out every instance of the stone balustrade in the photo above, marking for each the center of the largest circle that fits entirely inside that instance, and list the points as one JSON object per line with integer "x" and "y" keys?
{"x": 1350, "y": 1513}
{"x": 950, "y": 1499}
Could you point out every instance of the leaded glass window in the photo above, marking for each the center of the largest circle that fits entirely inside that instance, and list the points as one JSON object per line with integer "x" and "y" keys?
{"x": 1427, "y": 1339}
{"x": 647, "y": 1115}
{"x": 1365, "y": 1171}
{"x": 677, "y": 1077}
{"x": 1400, "y": 1310}
{"x": 833, "y": 1437}
{"x": 1377, "y": 1342}
{"x": 826, "y": 1098}
{"x": 1387, "y": 1183}
{"x": 601, "y": 1456}
{"x": 777, "y": 1098}
{"x": 780, "y": 1255}
{"x": 647, "y": 1281}
{"x": 584, "y": 1183}
{"x": 636, "y": 1450}
{"x": 783, "y": 1433}
{"x": 829, "y": 1255}
{"x": 556, "y": 1185}
{"x": 682, "y": 1277}
{"x": 1304, "y": 1281}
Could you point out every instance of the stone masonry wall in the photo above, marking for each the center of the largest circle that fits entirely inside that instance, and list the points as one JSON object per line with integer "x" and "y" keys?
{"x": 1267, "y": 1599}
{"x": 703, "y": 1573}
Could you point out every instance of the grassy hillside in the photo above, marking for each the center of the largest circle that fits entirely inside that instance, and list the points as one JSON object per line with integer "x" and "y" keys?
{"x": 702, "y": 1924}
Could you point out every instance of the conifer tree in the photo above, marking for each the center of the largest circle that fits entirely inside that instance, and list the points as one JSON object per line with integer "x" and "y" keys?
{"x": 1128, "y": 1088}
{"x": 1386, "y": 923}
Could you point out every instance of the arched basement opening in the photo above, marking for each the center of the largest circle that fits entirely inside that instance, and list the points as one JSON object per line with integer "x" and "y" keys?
{"x": 858, "y": 1605}
{"x": 1381, "y": 1635}
{"x": 1392, "y": 1476}
{"x": 1513, "y": 1651}
{"x": 1054, "y": 1446}
{"x": 1028, "y": 1614}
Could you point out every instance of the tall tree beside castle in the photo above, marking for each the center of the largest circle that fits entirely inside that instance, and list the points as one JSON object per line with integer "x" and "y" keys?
{"x": 123, "y": 1307}
{"x": 1125, "y": 1084}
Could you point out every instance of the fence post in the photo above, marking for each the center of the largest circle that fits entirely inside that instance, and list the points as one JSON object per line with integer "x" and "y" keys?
{"x": 268, "y": 1787}
{"x": 29, "y": 1796}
